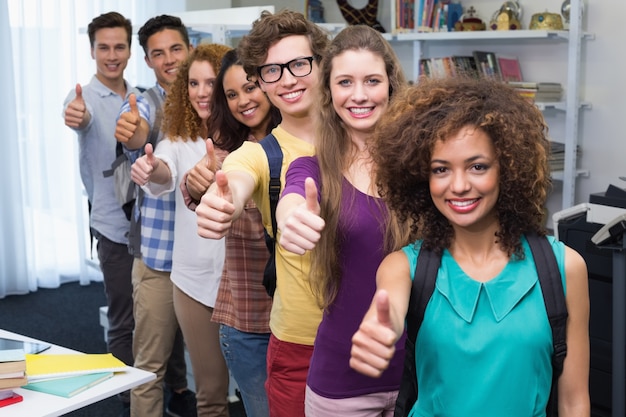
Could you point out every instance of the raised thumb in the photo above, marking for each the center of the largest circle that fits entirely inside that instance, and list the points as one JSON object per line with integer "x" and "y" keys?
{"x": 382, "y": 308}
{"x": 310, "y": 192}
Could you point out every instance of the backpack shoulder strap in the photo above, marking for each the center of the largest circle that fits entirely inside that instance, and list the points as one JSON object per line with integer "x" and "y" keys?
{"x": 120, "y": 158}
{"x": 554, "y": 300}
{"x": 428, "y": 263}
{"x": 421, "y": 290}
{"x": 275, "y": 158}
{"x": 157, "y": 102}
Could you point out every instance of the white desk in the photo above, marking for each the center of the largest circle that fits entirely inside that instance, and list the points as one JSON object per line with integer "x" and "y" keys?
{"x": 38, "y": 404}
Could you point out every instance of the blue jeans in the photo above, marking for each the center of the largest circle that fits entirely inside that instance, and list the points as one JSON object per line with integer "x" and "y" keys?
{"x": 245, "y": 355}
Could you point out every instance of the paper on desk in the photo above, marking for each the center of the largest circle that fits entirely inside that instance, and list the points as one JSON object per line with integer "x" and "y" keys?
{"x": 43, "y": 366}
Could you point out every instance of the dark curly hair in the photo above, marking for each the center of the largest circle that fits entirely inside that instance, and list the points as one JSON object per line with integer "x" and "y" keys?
{"x": 436, "y": 109}
{"x": 109, "y": 20}
{"x": 270, "y": 28}
{"x": 159, "y": 23}
{"x": 180, "y": 118}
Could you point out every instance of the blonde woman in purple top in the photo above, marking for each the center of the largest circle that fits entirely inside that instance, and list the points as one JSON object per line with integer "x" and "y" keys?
{"x": 349, "y": 230}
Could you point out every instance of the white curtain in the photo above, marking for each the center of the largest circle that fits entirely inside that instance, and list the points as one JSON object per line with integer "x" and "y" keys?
{"x": 43, "y": 211}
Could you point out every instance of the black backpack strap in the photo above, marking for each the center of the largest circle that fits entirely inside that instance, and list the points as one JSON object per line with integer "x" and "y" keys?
{"x": 422, "y": 288}
{"x": 275, "y": 158}
{"x": 554, "y": 300}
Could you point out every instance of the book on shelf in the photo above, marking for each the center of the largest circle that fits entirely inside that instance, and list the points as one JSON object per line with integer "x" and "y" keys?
{"x": 543, "y": 86}
{"x": 426, "y": 15}
{"x": 510, "y": 69}
{"x": 487, "y": 64}
{"x": 9, "y": 397}
{"x": 68, "y": 386}
{"x": 556, "y": 161}
{"x": 43, "y": 366}
{"x": 466, "y": 64}
{"x": 539, "y": 91}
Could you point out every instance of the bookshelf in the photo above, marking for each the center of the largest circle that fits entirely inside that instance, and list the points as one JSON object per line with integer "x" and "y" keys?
{"x": 417, "y": 45}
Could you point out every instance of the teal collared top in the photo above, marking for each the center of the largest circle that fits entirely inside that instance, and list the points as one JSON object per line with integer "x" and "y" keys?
{"x": 484, "y": 348}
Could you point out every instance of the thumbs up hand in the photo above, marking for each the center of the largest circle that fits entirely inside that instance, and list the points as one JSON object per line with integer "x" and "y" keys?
{"x": 373, "y": 345}
{"x": 128, "y": 122}
{"x": 141, "y": 171}
{"x": 302, "y": 227}
{"x": 216, "y": 210}
{"x": 202, "y": 175}
{"x": 76, "y": 114}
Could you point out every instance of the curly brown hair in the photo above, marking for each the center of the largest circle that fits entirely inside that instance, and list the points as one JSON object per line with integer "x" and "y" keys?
{"x": 436, "y": 109}
{"x": 270, "y": 28}
{"x": 180, "y": 119}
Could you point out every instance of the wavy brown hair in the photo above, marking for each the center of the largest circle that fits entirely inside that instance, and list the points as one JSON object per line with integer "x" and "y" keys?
{"x": 270, "y": 28}
{"x": 336, "y": 153}
{"x": 180, "y": 119}
{"x": 436, "y": 109}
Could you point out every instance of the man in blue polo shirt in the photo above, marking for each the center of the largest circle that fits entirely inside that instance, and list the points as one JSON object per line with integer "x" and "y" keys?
{"x": 91, "y": 111}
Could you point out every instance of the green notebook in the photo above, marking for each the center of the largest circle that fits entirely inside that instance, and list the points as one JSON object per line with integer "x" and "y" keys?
{"x": 68, "y": 386}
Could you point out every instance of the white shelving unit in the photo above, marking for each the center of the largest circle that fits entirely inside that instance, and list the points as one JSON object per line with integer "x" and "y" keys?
{"x": 571, "y": 39}
{"x": 221, "y": 25}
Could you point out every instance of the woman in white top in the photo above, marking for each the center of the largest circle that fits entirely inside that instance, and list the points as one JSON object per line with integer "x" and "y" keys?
{"x": 197, "y": 262}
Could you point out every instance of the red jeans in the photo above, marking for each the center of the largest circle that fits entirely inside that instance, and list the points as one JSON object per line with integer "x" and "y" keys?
{"x": 287, "y": 369}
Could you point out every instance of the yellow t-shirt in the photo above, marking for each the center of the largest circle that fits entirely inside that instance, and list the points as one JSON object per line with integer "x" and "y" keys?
{"x": 295, "y": 314}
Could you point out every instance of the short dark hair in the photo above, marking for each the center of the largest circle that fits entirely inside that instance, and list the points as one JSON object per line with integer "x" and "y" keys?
{"x": 109, "y": 20}
{"x": 159, "y": 23}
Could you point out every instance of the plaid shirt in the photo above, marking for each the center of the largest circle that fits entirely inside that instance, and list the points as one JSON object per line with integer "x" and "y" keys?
{"x": 157, "y": 213}
{"x": 242, "y": 301}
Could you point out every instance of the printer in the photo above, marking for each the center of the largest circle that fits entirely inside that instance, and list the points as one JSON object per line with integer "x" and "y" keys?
{"x": 587, "y": 228}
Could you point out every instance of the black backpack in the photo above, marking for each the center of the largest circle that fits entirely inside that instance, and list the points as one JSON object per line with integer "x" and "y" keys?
{"x": 275, "y": 158}
{"x": 421, "y": 290}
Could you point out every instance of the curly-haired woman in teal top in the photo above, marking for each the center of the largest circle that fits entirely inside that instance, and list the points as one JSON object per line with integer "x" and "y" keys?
{"x": 467, "y": 161}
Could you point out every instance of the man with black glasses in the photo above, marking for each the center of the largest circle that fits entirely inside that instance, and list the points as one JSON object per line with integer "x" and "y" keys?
{"x": 281, "y": 52}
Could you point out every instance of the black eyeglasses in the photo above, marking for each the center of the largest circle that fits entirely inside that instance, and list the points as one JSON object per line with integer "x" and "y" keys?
{"x": 299, "y": 67}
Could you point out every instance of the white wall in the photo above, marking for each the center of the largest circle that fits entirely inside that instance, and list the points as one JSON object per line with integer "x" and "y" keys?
{"x": 603, "y": 83}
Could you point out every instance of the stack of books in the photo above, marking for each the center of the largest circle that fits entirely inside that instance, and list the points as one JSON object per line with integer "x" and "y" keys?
{"x": 12, "y": 375}
{"x": 557, "y": 156}
{"x": 66, "y": 375}
{"x": 539, "y": 91}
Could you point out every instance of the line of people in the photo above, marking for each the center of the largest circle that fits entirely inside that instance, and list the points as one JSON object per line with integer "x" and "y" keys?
{"x": 309, "y": 350}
